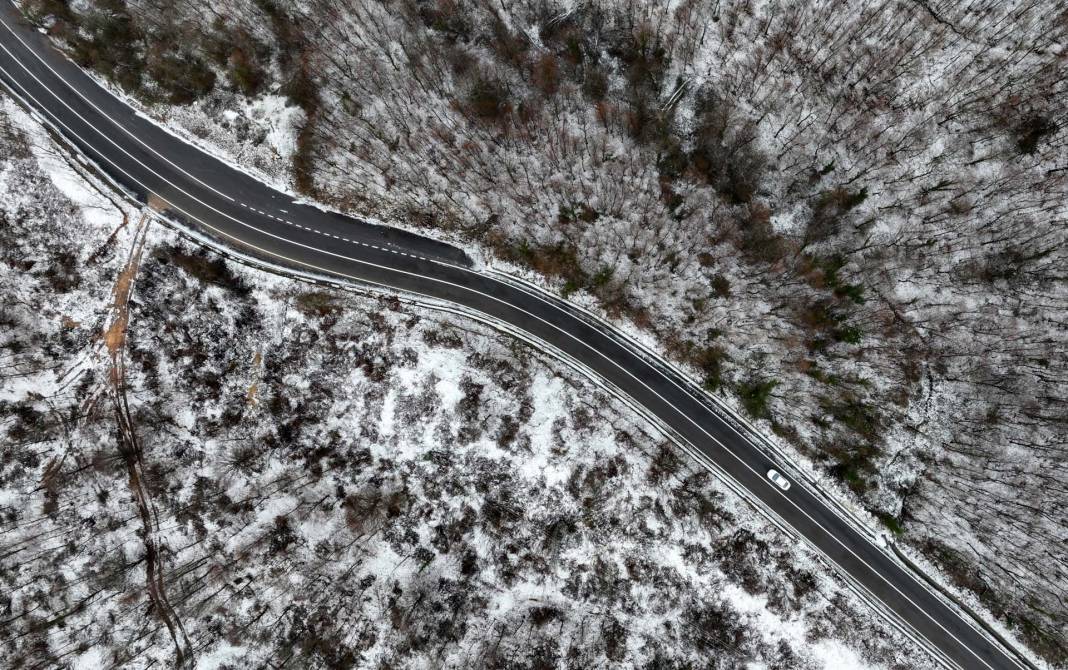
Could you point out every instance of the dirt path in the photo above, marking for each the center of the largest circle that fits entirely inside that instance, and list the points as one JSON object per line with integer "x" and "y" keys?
{"x": 132, "y": 453}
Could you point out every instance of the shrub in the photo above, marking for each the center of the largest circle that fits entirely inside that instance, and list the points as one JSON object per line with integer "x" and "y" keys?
{"x": 62, "y": 275}
{"x": 318, "y": 303}
{"x": 725, "y": 155}
{"x": 644, "y": 59}
{"x": 488, "y": 98}
{"x": 645, "y": 124}
{"x": 304, "y": 159}
{"x": 744, "y": 171}
{"x": 710, "y": 361}
{"x": 557, "y": 531}
{"x": 210, "y": 270}
{"x": 721, "y": 286}
{"x": 754, "y": 395}
{"x": 459, "y": 59}
{"x": 545, "y": 74}
{"x": 1030, "y": 131}
{"x": 857, "y": 415}
{"x": 964, "y": 572}
{"x": 39, "y": 10}
{"x": 841, "y": 199}
{"x": 848, "y": 334}
{"x": 828, "y": 210}
{"x": 240, "y": 55}
{"x": 281, "y": 536}
{"x": 577, "y": 212}
{"x": 759, "y": 242}
{"x": 1005, "y": 265}
{"x": 665, "y": 464}
{"x": 302, "y": 90}
{"x": 111, "y": 44}
{"x": 595, "y": 83}
{"x": 853, "y": 467}
{"x": 826, "y": 321}
{"x": 854, "y": 292}
{"x": 508, "y": 431}
{"x": 27, "y": 421}
{"x": 447, "y": 17}
{"x": 614, "y": 634}
{"x": 372, "y": 506}
{"x": 713, "y": 628}
{"x": 245, "y": 71}
{"x": 510, "y": 47}
{"x": 555, "y": 260}
{"x": 892, "y": 523}
{"x": 501, "y": 513}
{"x": 827, "y": 277}
{"x": 544, "y": 614}
{"x": 184, "y": 77}
{"x": 601, "y": 278}
{"x": 288, "y": 34}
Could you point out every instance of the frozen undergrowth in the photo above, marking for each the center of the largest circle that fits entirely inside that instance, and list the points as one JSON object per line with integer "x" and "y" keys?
{"x": 334, "y": 480}
{"x": 849, "y": 219}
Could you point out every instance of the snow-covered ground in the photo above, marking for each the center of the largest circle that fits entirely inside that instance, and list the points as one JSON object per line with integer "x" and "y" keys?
{"x": 846, "y": 220}
{"x": 336, "y": 481}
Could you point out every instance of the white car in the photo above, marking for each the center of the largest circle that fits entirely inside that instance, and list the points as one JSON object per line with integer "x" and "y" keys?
{"x": 778, "y": 480}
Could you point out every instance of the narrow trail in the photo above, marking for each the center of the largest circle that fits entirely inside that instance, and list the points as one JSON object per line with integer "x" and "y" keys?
{"x": 132, "y": 453}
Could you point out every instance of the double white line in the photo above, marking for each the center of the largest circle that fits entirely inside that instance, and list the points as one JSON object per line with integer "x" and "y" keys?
{"x": 55, "y": 121}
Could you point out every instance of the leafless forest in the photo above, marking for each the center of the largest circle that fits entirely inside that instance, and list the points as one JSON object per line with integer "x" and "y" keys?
{"x": 849, "y": 217}
{"x": 340, "y": 481}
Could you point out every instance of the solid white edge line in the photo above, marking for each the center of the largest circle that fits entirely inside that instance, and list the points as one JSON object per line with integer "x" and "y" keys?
{"x": 388, "y": 269}
{"x": 370, "y": 288}
{"x": 315, "y": 249}
{"x": 492, "y": 298}
{"x": 433, "y": 279}
{"x": 674, "y": 375}
{"x": 101, "y": 112}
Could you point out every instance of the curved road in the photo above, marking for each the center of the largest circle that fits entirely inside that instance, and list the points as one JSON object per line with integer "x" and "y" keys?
{"x": 243, "y": 213}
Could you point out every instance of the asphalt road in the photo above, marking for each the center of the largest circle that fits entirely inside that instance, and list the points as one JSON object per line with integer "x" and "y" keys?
{"x": 249, "y": 216}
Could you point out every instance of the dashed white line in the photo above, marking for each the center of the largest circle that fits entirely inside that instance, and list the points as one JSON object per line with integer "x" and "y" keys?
{"x": 325, "y": 234}
{"x": 596, "y": 351}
